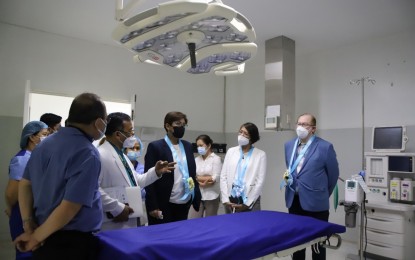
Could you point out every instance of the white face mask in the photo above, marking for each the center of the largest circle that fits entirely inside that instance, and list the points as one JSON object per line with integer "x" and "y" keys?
{"x": 42, "y": 138}
{"x": 242, "y": 140}
{"x": 101, "y": 132}
{"x": 129, "y": 142}
{"x": 201, "y": 150}
{"x": 302, "y": 133}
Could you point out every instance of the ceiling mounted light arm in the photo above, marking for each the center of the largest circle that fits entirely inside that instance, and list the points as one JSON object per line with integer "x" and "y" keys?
{"x": 191, "y": 38}
{"x": 235, "y": 70}
{"x": 192, "y": 53}
{"x": 121, "y": 12}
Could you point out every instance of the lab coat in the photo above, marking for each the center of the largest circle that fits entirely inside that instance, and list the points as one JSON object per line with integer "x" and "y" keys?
{"x": 114, "y": 174}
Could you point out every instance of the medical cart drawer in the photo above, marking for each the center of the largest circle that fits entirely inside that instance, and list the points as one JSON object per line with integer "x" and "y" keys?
{"x": 385, "y": 237}
{"x": 383, "y": 213}
{"x": 392, "y": 225}
{"x": 386, "y": 250}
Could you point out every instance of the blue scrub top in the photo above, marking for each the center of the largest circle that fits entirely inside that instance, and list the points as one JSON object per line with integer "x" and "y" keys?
{"x": 140, "y": 169}
{"x": 66, "y": 166}
{"x": 18, "y": 164}
{"x": 16, "y": 170}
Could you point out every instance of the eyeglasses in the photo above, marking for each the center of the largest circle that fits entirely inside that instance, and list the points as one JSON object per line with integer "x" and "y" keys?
{"x": 179, "y": 124}
{"x": 129, "y": 134}
{"x": 304, "y": 124}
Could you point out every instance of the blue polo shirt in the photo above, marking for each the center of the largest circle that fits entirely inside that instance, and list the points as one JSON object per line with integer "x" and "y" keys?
{"x": 66, "y": 166}
{"x": 18, "y": 164}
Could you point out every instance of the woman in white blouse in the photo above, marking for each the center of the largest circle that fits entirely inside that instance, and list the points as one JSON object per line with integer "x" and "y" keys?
{"x": 208, "y": 167}
{"x": 243, "y": 172}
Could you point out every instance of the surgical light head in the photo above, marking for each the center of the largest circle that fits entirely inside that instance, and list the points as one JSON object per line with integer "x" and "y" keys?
{"x": 195, "y": 36}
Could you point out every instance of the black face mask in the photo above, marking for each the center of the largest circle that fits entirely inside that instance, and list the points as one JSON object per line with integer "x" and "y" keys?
{"x": 178, "y": 131}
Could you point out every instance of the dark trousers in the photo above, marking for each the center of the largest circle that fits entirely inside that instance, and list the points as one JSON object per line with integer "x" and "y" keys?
{"x": 16, "y": 229}
{"x": 173, "y": 212}
{"x": 321, "y": 215}
{"x": 68, "y": 245}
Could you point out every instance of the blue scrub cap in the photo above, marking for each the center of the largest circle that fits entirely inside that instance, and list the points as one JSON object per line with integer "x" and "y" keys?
{"x": 29, "y": 129}
{"x": 130, "y": 142}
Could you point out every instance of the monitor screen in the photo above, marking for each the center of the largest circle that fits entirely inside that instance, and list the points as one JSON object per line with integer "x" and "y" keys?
{"x": 351, "y": 184}
{"x": 389, "y": 139}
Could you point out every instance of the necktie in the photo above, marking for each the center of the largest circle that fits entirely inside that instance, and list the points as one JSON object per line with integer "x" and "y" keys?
{"x": 126, "y": 166}
{"x": 300, "y": 164}
{"x": 128, "y": 169}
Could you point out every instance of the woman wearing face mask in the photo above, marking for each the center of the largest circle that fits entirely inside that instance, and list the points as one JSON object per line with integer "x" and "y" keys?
{"x": 243, "y": 172}
{"x": 32, "y": 134}
{"x": 169, "y": 198}
{"x": 133, "y": 150}
{"x": 133, "y": 147}
{"x": 208, "y": 167}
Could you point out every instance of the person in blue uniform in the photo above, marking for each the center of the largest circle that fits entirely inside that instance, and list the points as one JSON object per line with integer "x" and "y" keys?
{"x": 134, "y": 149}
{"x": 58, "y": 195}
{"x": 32, "y": 134}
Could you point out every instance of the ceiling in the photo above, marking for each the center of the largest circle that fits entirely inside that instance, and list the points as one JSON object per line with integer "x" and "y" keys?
{"x": 313, "y": 24}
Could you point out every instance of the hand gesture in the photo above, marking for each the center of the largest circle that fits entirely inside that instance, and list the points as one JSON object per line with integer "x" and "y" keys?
{"x": 156, "y": 214}
{"x": 239, "y": 207}
{"x": 163, "y": 167}
{"x": 123, "y": 216}
{"x": 26, "y": 242}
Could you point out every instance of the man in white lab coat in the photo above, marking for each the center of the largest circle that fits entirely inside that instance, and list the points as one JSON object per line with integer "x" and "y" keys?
{"x": 117, "y": 172}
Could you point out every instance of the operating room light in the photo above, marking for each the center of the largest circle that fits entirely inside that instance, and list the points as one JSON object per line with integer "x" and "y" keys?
{"x": 195, "y": 36}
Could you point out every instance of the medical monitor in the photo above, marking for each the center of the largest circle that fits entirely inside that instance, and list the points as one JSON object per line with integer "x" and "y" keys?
{"x": 389, "y": 139}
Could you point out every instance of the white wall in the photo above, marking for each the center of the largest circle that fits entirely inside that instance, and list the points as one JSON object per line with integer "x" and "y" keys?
{"x": 322, "y": 85}
{"x": 325, "y": 76}
{"x": 68, "y": 66}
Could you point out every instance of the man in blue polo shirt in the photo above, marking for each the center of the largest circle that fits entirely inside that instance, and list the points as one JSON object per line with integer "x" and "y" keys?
{"x": 58, "y": 195}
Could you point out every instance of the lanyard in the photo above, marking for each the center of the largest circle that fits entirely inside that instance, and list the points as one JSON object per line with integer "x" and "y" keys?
{"x": 238, "y": 187}
{"x": 126, "y": 166}
{"x": 182, "y": 162}
{"x": 288, "y": 178}
{"x": 241, "y": 168}
{"x": 291, "y": 167}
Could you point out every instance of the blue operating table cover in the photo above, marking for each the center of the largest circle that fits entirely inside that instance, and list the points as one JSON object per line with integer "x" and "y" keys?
{"x": 232, "y": 236}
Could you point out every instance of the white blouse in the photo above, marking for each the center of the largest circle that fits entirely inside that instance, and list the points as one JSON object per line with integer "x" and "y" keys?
{"x": 211, "y": 166}
{"x": 254, "y": 177}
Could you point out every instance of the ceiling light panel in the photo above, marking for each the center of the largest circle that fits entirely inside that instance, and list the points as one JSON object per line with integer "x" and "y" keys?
{"x": 162, "y": 36}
